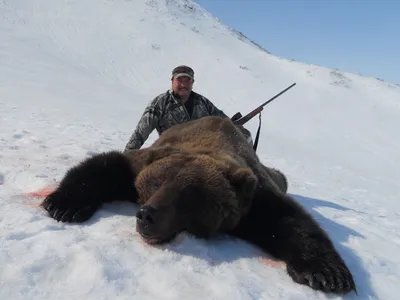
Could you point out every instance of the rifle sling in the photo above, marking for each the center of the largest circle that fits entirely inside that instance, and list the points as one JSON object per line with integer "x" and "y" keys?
{"x": 258, "y": 133}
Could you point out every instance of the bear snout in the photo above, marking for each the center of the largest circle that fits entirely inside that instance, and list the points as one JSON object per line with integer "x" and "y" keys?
{"x": 154, "y": 224}
{"x": 146, "y": 215}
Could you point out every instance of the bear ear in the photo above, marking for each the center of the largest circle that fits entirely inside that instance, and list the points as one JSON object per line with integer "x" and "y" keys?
{"x": 159, "y": 153}
{"x": 244, "y": 180}
{"x": 151, "y": 156}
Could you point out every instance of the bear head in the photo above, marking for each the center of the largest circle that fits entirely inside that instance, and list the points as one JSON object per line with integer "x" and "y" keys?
{"x": 193, "y": 192}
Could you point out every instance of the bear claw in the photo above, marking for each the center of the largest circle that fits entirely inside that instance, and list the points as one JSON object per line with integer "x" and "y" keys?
{"x": 329, "y": 277}
{"x": 57, "y": 208}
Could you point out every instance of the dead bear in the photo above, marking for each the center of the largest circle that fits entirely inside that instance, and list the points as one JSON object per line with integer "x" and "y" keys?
{"x": 203, "y": 177}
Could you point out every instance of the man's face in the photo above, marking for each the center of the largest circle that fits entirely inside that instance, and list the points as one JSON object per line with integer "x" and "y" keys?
{"x": 182, "y": 85}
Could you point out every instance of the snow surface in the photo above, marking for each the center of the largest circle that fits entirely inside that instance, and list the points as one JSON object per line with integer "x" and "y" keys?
{"x": 75, "y": 77}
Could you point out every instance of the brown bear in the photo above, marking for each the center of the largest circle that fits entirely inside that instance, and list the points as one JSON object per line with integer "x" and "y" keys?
{"x": 203, "y": 177}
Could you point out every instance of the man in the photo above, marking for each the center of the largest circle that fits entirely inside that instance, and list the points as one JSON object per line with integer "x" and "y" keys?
{"x": 176, "y": 106}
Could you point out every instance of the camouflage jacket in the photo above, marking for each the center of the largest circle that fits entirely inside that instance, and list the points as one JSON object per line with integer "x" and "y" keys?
{"x": 167, "y": 110}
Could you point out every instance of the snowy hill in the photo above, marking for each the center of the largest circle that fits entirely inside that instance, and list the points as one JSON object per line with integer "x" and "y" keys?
{"x": 75, "y": 77}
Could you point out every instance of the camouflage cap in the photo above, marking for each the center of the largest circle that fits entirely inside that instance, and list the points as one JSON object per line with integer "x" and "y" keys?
{"x": 182, "y": 71}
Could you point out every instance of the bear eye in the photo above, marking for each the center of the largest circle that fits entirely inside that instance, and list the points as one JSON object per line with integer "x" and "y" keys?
{"x": 156, "y": 186}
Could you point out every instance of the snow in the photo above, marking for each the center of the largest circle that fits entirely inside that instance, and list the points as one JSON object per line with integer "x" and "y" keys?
{"x": 75, "y": 77}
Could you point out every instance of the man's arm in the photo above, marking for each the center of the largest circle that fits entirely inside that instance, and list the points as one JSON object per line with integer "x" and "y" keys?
{"x": 212, "y": 109}
{"x": 146, "y": 125}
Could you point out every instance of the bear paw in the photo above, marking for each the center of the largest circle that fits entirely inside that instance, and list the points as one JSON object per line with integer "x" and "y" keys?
{"x": 328, "y": 274}
{"x": 62, "y": 208}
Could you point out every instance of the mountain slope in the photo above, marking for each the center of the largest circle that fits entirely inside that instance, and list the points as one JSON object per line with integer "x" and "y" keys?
{"x": 75, "y": 77}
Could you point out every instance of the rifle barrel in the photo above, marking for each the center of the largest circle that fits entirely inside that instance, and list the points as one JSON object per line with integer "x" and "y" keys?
{"x": 277, "y": 95}
{"x": 251, "y": 114}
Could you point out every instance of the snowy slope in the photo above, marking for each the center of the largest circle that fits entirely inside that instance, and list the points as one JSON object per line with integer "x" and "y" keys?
{"x": 74, "y": 79}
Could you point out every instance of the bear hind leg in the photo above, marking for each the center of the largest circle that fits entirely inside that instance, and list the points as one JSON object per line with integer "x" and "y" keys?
{"x": 85, "y": 187}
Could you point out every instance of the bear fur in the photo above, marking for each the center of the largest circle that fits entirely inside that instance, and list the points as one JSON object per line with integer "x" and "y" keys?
{"x": 203, "y": 177}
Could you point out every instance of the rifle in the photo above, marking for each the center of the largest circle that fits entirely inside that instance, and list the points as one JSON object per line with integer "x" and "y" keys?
{"x": 238, "y": 119}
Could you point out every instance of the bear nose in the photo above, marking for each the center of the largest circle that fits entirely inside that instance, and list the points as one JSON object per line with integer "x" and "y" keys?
{"x": 146, "y": 215}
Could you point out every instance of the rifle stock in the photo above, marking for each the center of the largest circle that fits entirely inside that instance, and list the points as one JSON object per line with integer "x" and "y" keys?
{"x": 254, "y": 112}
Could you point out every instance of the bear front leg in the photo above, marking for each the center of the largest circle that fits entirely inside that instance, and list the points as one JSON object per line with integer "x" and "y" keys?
{"x": 85, "y": 187}
{"x": 279, "y": 226}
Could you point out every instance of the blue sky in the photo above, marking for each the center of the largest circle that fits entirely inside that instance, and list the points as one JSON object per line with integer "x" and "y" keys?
{"x": 359, "y": 36}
